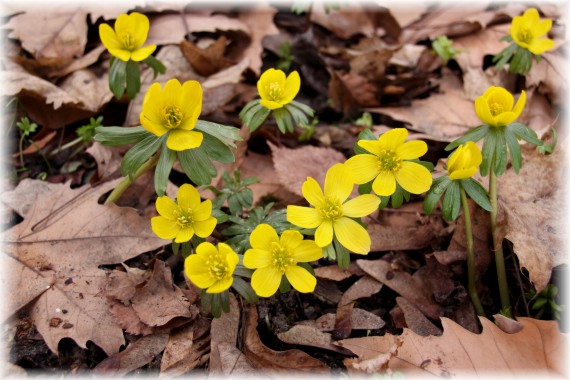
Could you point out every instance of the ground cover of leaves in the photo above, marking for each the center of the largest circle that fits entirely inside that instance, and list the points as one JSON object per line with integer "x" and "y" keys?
{"x": 90, "y": 289}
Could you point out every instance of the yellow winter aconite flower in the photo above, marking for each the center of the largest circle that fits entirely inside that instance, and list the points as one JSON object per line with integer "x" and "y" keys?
{"x": 464, "y": 161}
{"x": 276, "y": 90}
{"x": 174, "y": 110}
{"x": 272, "y": 257}
{"x": 181, "y": 221}
{"x": 388, "y": 163}
{"x": 331, "y": 212}
{"x": 528, "y": 31}
{"x": 125, "y": 42}
{"x": 495, "y": 106}
{"x": 210, "y": 268}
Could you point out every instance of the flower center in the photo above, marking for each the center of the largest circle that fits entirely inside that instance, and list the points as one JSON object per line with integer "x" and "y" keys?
{"x": 172, "y": 116}
{"x": 331, "y": 209}
{"x": 282, "y": 257}
{"x": 388, "y": 161}
{"x": 496, "y": 109}
{"x": 217, "y": 266}
{"x": 184, "y": 217}
{"x": 128, "y": 41}
{"x": 525, "y": 35}
{"x": 275, "y": 91}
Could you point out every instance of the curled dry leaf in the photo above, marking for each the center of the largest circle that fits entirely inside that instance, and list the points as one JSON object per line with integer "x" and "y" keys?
{"x": 549, "y": 77}
{"x": 312, "y": 336}
{"x": 223, "y": 330}
{"x": 344, "y": 22}
{"x": 70, "y": 220}
{"x": 415, "y": 320}
{"x": 259, "y": 20}
{"x": 360, "y": 320}
{"x": 233, "y": 362}
{"x": 108, "y": 160}
{"x": 335, "y": 273}
{"x": 507, "y": 324}
{"x": 539, "y": 348}
{"x": 206, "y": 61}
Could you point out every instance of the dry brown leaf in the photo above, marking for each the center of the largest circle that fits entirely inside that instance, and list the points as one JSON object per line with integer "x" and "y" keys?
{"x": 404, "y": 284}
{"x": 415, "y": 320}
{"x": 444, "y": 116}
{"x": 80, "y": 63}
{"x": 187, "y": 348}
{"x": 476, "y": 46}
{"x": 345, "y": 22}
{"x": 549, "y": 75}
{"x": 136, "y": 355}
{"x": 508, "y": 325}
{"x": 62, "y": 221}
{"x": 539, "y": 113}
{"x": 405, "y": 228}
{"x": 538, "y": 349}
{"x": 108, "y": 160}
{"x": 233, "y": 362}
{"x": 308, "y": 161}
{"x": 37, "y": 145}
{"x": 223, "y": 330}
{"x": 289, "y": 361}
{"x": 335, "y": 273}
{"x": 60, "y": 33}
{"x": 534, "y": 214}
{"x": 312, "y": 336}
{"x": 360, "y": 320}
{"x": 347, "y": 90}
{"x": 206, "y": 61}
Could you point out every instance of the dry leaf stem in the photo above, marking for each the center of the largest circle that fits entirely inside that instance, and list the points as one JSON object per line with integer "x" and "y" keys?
{"x": 498, "y": 246}
{"x": 471, "y": 274}
{"x": 126, "y": 182}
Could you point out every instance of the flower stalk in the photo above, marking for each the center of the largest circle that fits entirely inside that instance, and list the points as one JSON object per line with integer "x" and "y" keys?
{"x": 126, "y": 182}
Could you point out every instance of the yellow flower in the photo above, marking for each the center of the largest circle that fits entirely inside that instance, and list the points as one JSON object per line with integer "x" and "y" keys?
{"x": 495, "y": 106}
{"x": 388, "y": 163}
{"x": 210, "y": 268}
{"x": 276, "y": 90}
{"x": 464, "y": 161}
{"x": 528, "y": 31}
{"x": 174, "y": 110}
{"x": 272, "y": 257}
{"x": 125, "y": 42}
{"x": 181, "y": 221}
{"x": 332, "y": 213}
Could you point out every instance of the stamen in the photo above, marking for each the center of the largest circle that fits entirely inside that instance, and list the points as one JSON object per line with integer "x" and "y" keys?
{"x": 128, "y": 41}
{"x": 172, "y": 116}
{"x": 388, "y": 161}
{"x": 217, "y": 266}
{"x": 183, "y": 217}
{"x": 525, "y": 35}
{"x": 282, "y": 257}
{"x": 331, "y": 209}
{"x": 496, "y": 109}
{"x": 275, "y": 91}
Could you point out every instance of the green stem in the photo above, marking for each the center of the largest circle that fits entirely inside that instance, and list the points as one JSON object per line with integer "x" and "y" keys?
{"x": 498, "y": 245}
{"x": 126, "y": 182}
{"x": 66, "y": 146}
{"x": 471, "y": 272}
{"x": 21, "y": 148}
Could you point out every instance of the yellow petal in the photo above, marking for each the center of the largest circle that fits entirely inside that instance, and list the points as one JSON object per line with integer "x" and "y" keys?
{"x": 476, "y": 156}
{"x": 142, "y": 53}
{"x": 191, "y": 103}
{"x": 483, "y": 112}
{"x": 185, "y": 234}
{"x": 265, "y": 281}
{"x": 305, "y": 217}
{"x": 139, "y": 25}
{"x": 531, "y": 16}
{"x": 463, "y": 173}
{"x": 198, "y": 272}
{"x": 363, "y": 167}
{"x": 542, "y": 28}
{"x": 109, "y": 37}
{"x": 312, "y": 192}
{"x": 270, "y": 104}
{"x": 502, "y": 97}
{"x": 231, "y": 257}
{"x": 411, "y": 150}
{"x": 505, "y": 118}
{"x": 164, "y": 228}
{"x": 384, "y": 184}
{"x": 220, "y": 285}
{"x": 324, "y": 234}
{"x": 372, "y": 146}
{"x": 352, "y": 236}
{"x": 151, "y": 116}
{"x": 262, "y": 237}
{"x": 292, "y": 86}
{"x": 540, "y": 45}
{"x": 123, "y": 24}
{"x": 414, "y": 178}
{"x": 338, "y": 182}
{"x": 205, "y": 228}
{"x": 123, "y": 55}
{"x": 166, "y": 207}
{"x": 520, "y": 104}
{"x": 290, "y": 239}
{"x": 188, "y": 197}
{"x": 202, "y": 211}
{"x": 206, "y": 249}
{"x": 301, "y": 279}
{"x": 180, "y": 139}
{"x": 392, "y": 139}
{"x": 307, "y": 251}
{"x": 257, "y": 258}
{"x": 361, "y": 206}
{"x": 171, "y": 95}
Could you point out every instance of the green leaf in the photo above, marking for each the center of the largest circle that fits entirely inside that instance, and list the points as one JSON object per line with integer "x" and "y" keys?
{"x": 247, "y": 108}
{"x": 514, "y": 150}
{"x": 500, "y": 153}
{"x": 258, "y": 118}
{"x": 474, "y": 135}
{"x": 118, "y": 77}
{"x": 477, "y": 192}
{"x": 234, "y": 205}
{"x": 224, "y": 133}
{"x": 162, "y": 170}
{"x": 156, "y": 66}
{"x": 365, "y": 188}
{"x": 298, "y": 116}
{"x": 488, "y": 152}
{"x": 438, "y": 187}
{"x": 451, "y": 201}
{"x": 117, "y": 136}
{"x": 398, "y": 196}
{"x": 525, "y": 133}
{"x": 342, "y": 254}
{"x": 217, "y": 150}
{"x": 197, "y": 165}
{"x": 279, "y": 115}
{"x": 139, "y": 154}
{"x": 329, "y": 252}
{"x": 366, "y": 134}
{"x": 133, "y": 78}
{"x": 306, "y": 109}
{"x": 285, "y": 285}
{"x": 244, "y": 288}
